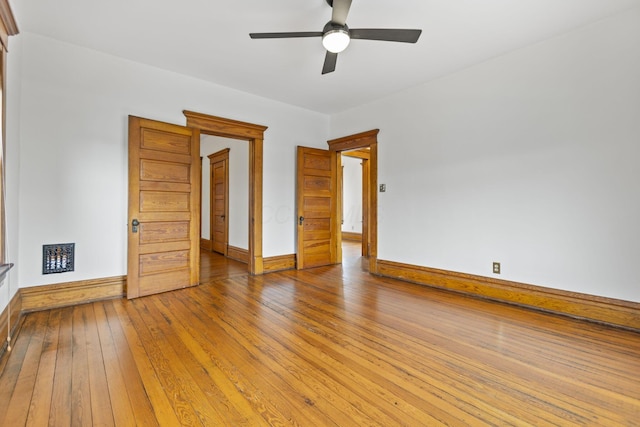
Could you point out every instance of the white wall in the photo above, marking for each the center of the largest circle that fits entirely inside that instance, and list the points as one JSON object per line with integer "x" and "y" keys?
{"x": 351, "y": 194}
{"x": 530, "y": 159}
{"x": 73, "y": 160}
{"x": 238, "y": 201}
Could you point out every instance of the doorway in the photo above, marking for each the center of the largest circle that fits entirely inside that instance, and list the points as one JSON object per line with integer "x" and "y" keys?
{"x": 254, "y": 135}
{"x": 355, "y": 180}
{"x": 319, "y": 201}
{"x": 225, "y": 197}
{"x": 364, "y": 146}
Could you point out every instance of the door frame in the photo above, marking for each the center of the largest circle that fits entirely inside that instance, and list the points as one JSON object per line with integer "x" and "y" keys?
{"x": 362, "y": 154}
{"x": 368, "y": 139}
{"x": 254, "y": 134}
{"x": 219, "y": 156}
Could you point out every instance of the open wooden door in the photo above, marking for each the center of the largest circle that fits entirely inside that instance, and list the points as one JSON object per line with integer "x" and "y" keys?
{"x": 316, "y": 196}
{"x": 219, "y": 201}
{"x": 164, "y": 204}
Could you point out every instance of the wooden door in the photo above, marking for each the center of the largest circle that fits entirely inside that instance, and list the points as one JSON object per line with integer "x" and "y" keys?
{"x": 316, "y": 198}
{"x": 164, "y": 220}
{"x": 220, "y": 201}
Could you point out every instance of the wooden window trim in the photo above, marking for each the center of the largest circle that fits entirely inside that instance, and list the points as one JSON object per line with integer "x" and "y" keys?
{"x": 8, "y": 27}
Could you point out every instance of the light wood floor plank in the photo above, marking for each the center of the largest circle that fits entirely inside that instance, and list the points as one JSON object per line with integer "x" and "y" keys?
{"x": 331, "y": 366}
{"x": 146, "y": 396}
{"x": 235, "y": 409}
{"x": 326, "y": 395}
{"x": 43, "y": 389}
{"x": 194, "y": 379}
{"x": 175, "y": 379}
{"x": 12, "y": 364}
{"x": 269, "y": 395}
{"x": 81, "y": 412}
{"x": 358, "y": 352}
{"x": 448, "y": 341}
{"x": 61, "y": 408}
{"x": 102, "y": 414}
{"x": 411, "y": 366}
{"x": 118, "y": 391}
{"x": 20, "y": 402}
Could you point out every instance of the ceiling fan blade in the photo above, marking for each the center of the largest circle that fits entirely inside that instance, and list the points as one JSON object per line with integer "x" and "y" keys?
{"x": 386, "y": 34}
{"x": 285, "y": 35}
{"x": 340, "y": 11}
{"x": 330, "y": 62}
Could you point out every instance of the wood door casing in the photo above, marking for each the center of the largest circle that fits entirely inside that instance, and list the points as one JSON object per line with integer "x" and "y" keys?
{"x": 316, "y": 195}
{"x": 364, "y": 140}
{"x": 364, "y": 155}
{"x": 254, "y": 134}
{"x": 219, "y": 200}
{"x": 164, "y": 184}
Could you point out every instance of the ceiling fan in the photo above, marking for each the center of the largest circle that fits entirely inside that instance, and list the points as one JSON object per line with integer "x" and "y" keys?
{"x": 336, "y": 35}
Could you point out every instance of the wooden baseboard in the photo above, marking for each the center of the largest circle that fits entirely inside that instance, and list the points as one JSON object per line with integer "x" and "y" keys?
{"x": 610, "y": 311}
{"x": 279, "y": 263}
{"x": 238, "y": 254}
{"x": 14, "y": 316}
{"x": 206, "y": 244}
{"x": 71, "y": 293}
{"x": 354, "y": 237}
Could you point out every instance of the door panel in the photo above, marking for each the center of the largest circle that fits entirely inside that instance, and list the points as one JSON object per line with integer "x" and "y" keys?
{"x": 164, "y": 168}
{"x": 164, "y": 201}
{"x": 316, "y": 195}
{"x": 153, "y": 170}
{"x": 166, "y": 261}
{"x": 163, "y": 232}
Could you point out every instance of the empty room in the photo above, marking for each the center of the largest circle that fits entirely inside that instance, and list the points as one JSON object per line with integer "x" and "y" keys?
{"x": 320, "y": 213}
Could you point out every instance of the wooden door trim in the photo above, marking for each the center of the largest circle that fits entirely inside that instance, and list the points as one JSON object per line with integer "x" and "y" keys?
{"x": 219, "y": 156}
{"x": 352, "y": 142}
{"x": 8, "y": 25}
{"x": 358, "y": 154}
{"x": 254, "y": 134}
{"x": 366, "y": 194}
{"x": 338, "y": 206}
{"x": 368, "y": 139}
{"x": 364, "y": 155}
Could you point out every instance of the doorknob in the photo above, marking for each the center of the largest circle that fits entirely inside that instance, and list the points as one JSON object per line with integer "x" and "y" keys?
{"x": 134, "y": 225}
{"x": 301, "y": 219}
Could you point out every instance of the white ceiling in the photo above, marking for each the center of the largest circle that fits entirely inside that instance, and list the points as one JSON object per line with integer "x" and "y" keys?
{"x": 209, "y": 39}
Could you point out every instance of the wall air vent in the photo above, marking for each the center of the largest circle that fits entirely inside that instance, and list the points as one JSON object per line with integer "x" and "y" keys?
{"x": 57, "y": 258}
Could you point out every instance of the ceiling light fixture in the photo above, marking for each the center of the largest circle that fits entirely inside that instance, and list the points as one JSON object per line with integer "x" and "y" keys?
{"x": 336, "y": 35}
{"x": 336, "y": 40}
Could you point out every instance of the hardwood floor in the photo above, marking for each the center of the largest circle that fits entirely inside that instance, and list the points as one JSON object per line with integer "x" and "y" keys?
{"x": 328, "y": 346}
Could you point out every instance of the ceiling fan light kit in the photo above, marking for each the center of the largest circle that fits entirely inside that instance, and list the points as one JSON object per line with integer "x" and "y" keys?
{"x": 336, "y": 40}
{"x": 336, "y": 36}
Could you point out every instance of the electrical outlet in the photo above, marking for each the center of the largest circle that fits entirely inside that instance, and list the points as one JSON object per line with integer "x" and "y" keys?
{"x": 383, "y": 188}
{"x": 496, "y": 268}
